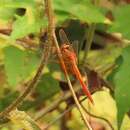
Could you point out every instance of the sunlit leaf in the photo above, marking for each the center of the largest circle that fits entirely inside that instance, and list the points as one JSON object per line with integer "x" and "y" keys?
{"x": 82, "y": 12}
{"x": 7, "y": 13}
{"x": 121, "y": 81}
{"x": 79, "y": 10}
{"x": 23, "y": 120}
{"x": 19, "y": 64}
{"x": 122, "y": 21}
{"x": 31, "y": 22}
{"x": 16, "y": 3}
{"x": 3, "y": 41}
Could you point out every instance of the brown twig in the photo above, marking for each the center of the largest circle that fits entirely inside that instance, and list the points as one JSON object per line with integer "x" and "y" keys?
{"x": 98, "y": 117}
{"x": 59, "y": 117}
{"x": 62, "y": 114}
{"x": 32, "y": 84}
{"x": 50, "y": 16}
{"x": 69, "y": 109}
{"x": 55, "y": 104}
{"x": 69, "y": 83}
{"x": 61, "y": 99}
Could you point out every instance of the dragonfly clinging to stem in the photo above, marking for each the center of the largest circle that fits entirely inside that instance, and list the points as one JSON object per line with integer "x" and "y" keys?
{"x": 70, "y": 60}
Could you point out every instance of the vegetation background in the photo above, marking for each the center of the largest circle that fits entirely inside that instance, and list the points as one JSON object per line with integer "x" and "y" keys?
{"x": 102, "y": 29}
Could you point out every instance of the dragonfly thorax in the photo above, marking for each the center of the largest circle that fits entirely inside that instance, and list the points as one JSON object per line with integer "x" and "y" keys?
{"x": 64, "y": 47}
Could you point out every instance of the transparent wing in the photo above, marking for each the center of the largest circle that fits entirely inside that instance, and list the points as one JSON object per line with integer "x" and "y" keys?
{"x": 63, "y": 37}
{"x": 72, "y": 47}
{"x": 75, "y": 46}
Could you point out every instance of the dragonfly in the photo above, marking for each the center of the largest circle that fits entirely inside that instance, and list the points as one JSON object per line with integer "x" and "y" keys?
{"x": 70, "y": 61}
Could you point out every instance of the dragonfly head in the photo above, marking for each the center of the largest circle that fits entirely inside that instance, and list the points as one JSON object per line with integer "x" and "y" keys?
{"x": 68, "y": 52}
{"x": 65, "y": 47}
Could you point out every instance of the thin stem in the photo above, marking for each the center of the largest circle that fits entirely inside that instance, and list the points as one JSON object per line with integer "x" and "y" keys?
{"x": 58, "y": 117}
{"x": 98, "y": 117}
{"x": 70, "y": 108}
{"x": 65, "y": 71}
{"x": 89, "y": 39}
{"x": 62, "y": 114}
{"x": 33, "y": 83}
{"x": 55, "y": 104}
{"x": 51, "y": 24}
{"x": 70, "y": 85}
{"x": 61, "y": 99}
{"x": 30, "y": 86}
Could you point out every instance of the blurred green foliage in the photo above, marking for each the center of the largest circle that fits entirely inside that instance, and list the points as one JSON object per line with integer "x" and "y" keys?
{"x": 121, "y": 23}
{"x": 26, "y": 19}
{"x": 19, "y": 64}
{"x": 79, "y": 10}
{"x": 122, "y": 83}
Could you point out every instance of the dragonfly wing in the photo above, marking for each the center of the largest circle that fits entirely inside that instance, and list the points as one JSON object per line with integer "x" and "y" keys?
{"x": 63, "y": 37}
{"x": 75, "y": 46}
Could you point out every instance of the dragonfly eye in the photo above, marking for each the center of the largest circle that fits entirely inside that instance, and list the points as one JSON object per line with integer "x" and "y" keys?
{"x": 66, "y": 46}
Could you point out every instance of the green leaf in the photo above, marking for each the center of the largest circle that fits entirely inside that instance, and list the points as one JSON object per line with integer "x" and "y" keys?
{"x": 62, "y": 16}
{"x": 111, "y": 76}
{"x": 4, "y": 41}
{"x": 23, "y": 120}
{"x": 31, "y": 22}
{"x": 19, "y": 64}
{"x": 8, "y": 99}
{"x": 14, "y": 60}
{"x": 121, "y": 80}
{"x": 103, "y": 59}
{"x": 62, "y": 9}
{"x": 7, "y": 13}
{"x": 79, "y": 10}
{"x": 47, "y": 87}
{"x": 63, "y": 5}
{"x": 16, "y": 3}
{"x": 88, "y": 13}
{"x": 122, "y": 21}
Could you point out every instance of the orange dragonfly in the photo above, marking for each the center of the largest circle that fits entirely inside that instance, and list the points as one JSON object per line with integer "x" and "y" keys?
{"x": 70, "y": 60}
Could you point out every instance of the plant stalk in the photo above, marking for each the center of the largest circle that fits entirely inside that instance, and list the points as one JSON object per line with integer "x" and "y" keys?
{"x": 89, "y": 39}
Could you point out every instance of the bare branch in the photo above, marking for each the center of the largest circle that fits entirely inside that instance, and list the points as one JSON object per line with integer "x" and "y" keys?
{"x": 32, "y": 84}
{"x": 69, "y": 83}
{"x": 62, "y": 114}
{"x": 55, "y": 104}
{"x": 98, "y": 117}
